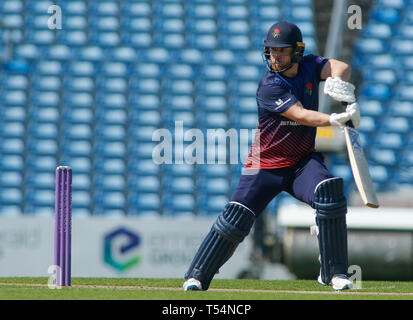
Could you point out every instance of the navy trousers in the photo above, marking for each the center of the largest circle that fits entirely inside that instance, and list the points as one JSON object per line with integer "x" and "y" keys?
{"x": 255, "y": 191}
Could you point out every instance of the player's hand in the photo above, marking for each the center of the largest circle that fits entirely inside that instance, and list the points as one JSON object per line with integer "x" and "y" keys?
{"x": 354, "y": 111}
{"x": 339, "y": 90}
{"x": 339, "y": 119}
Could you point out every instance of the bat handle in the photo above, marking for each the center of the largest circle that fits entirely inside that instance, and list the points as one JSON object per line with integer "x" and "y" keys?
{"x": 348, "y": 123}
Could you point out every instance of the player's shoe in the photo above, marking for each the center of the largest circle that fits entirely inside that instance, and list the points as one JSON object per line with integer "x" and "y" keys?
{"x": 339, "y": 282}
{"x": 192, "y": 284}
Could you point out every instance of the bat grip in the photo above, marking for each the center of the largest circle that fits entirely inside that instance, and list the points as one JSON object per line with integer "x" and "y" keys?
{"x": 348, "y": 123}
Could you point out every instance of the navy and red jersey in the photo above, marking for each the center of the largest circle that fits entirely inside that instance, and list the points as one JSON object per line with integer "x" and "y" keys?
{"x": 281, "y": 142}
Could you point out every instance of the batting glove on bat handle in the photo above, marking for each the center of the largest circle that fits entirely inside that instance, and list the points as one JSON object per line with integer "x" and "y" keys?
{"x": 354, "y": 110}
{"x": 348, "y": 123}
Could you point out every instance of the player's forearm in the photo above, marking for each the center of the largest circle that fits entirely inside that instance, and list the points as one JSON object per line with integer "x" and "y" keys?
{"x": 307, "y": 117}
{"x": 313, "y": 119}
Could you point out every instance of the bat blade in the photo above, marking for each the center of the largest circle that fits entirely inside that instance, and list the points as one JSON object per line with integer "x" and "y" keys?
{"x": 360, "y": 168}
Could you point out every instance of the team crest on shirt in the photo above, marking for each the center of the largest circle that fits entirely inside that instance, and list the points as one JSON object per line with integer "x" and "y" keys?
{"x": 309, "y": 88}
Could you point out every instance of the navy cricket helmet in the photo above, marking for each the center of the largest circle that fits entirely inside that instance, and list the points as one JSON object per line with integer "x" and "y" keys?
{"x": 284, "y": 34}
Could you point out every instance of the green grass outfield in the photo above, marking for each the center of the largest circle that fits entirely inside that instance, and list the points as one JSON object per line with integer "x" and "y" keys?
{"x": 171, "y": 289}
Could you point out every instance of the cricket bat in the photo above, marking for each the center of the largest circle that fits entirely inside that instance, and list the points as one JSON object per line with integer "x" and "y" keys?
{"x": 359, "y": 166}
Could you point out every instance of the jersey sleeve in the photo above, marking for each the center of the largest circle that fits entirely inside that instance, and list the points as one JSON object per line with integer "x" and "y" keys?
{"x": 275, "y": 98}
{"x": 319, "y": 62}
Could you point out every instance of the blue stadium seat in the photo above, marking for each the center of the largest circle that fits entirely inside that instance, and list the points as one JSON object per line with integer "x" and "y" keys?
{"x": 401, "y": 108}
{"x": 150, "y": 118}
{"x": 379, "y": 173}
{"x": 112, "y": 85}
{"x": 106, "y": 100}
{"x": 406, "y": 77}
{"x": 404, "y": 92}
{"x": 246, "y": 120}
{"x": 142, "y": 150}
{"x": 75, "y": 22}
{"x": 177, "y": 185}
{"x": 13, "y": 21}
{"x": 342, "y": 171}
{"x": 401, "y": 47}
{"x": 405, "y": 31}
{"x": 378, "y": 30}
{"x": 247, "y": 72}
{"x": 383, "y": 157}
{"x": 11, "y": 163}
{"x": 182, "y": 170}
{"x": 11, "y": 7}
{"x": 81, "y": 68}
{"x": 12, "y": 146}
{"x": 48, "y": 67}
{"x": 109, "y": 182}
{"x": 14, "y": 82}
{"x": 78, "y": 84}
{"x": 202, "y": 10}
{"x": 144, "y": 202}
{"x": 211, "y": 103}
{"x": 168, "y": 10}
{"x": 143, "y": 167}
{"x": 385, "y": 15}
{"x": 10, "y": 196}
{"x": 389, "y": 140}
{"x": 211, "y": 205}
{"x": 74, "y": 7}
{"x": 177, "y": 87}
{"x": 79, "y": 165}
{"x": 77, "y": 148}
{"x": 211, "y": 72}
{"x": 105, "y": 201}
{"x": 75, "y": 38}
{"x": 243, "y": 88}
{"x": 207, "y": 185}
{"x": 172, "y": 41}
{"x": 178, "y": 102}
{"x": 368, "y": 125}
{"x": 170, "y": 117}
{"x": 369, "y": 46}
{"x": 190, "y": 56}
{"x": 201, "y": 26}
{"x": 144, "y": 101}
{"x": 370, "y": 107}
{"x": 11, "y": 179}
{"x": 43, "y": 130}
{"x": 13, "y": 98}
{"x": 212, "y": 119}
{"x": 215, "y": 171}
{"x": 12, "y": 130}
{"x": 377, "y": 91}
{"x": 178, "y": 205}
{"x": 396, "y": 124}
{"x": 202, "y": 42}
{"x": 145, "y": 184}
{"x": 110, "y": 132}
{"x": 386, "y": 76}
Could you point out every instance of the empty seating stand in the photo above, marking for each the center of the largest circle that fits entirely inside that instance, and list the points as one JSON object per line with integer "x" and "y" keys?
{"x": 116, "y": 72}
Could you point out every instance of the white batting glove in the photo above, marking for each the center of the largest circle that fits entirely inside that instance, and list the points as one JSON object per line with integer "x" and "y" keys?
{"x": 339, "y": 119}
{"x": 354, "y": 111}
{"x": 339, "y": 90}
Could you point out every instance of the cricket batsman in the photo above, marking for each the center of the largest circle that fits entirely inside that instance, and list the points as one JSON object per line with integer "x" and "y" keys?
{"x": 284, "y": 158}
